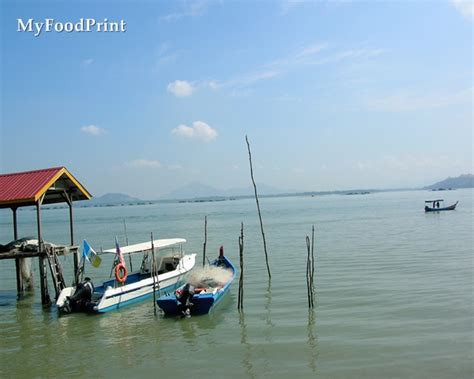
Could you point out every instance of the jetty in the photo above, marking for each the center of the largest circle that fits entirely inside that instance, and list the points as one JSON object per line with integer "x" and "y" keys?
{"x": 38, "y": 188}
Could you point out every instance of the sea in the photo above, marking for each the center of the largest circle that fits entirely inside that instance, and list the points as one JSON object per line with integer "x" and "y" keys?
{"x": 393, "y": 292}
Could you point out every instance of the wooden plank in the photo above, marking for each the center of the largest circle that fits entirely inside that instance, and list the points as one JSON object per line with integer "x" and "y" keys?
{"x": 16, "y": 253}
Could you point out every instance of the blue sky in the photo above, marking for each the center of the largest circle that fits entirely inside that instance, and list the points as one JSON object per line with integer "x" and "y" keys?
{"x": 332, "y": 94}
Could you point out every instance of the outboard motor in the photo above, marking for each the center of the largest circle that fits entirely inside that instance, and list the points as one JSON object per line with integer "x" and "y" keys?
{"x": 184, "y": 297}
{"x": 81, "y": 298}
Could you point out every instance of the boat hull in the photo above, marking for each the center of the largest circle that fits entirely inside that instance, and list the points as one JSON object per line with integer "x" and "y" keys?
{"x": 450, "y": 208}
{"x": 108, "y": 298}
{"x": 203, "y": 302}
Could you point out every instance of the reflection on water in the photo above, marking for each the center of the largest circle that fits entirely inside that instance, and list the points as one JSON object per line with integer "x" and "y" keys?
{"x": 312, "y": 341}
{"x": 268, "y": 315}
{"x": 8, "y": 298}
{"x": 247, "y": 356}
{"x": 188, "y": 328}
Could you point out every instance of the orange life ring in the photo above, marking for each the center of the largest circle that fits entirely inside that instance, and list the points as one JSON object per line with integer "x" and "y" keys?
{"x": 121, "y": 273}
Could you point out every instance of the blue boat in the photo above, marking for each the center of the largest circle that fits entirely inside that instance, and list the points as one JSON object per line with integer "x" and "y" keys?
{"x": 204, "y": 289}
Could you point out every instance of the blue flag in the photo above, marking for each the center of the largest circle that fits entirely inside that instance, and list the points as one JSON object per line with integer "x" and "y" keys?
{"x": 90, "y": 255}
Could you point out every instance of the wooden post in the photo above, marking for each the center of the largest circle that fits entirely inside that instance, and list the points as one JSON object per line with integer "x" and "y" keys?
{"x": 205, "y": 242}
{"x": 68, "y": 198}
{"x": 240, "y": 302}
{"x": 310, "y": 269}
{"x": 312, "y": 259}
{"x": 45, "y": 299}
{"x": 308, "y": 273}
{"x": 126, "y": 242}
{"x": 19, "y": 278}
{"x": 258, "y": 208}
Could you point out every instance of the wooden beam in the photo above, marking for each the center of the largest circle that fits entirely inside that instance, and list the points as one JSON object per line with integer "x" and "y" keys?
{"x": 68, "y": 197}
{"x": 45, "y": 299}
{"x": 13, "y": 254}
{"x": 19, "y": 279}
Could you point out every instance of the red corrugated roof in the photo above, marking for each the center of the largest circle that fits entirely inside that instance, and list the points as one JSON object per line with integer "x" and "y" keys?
{"x": 27, "y": 187}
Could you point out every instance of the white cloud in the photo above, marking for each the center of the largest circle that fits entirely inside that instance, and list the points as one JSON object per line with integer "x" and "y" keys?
{"x": 92, "y": 130}
{"x": 305, "y": 56}
{"x": 164, "y": 55}
{"x": 287, "y": 5}
{"x": 87, "y": 62}
{"x": 251, "y": 78}
{"x": 466, "y": 7}
{"x": 188, "y": 9}
{"x": 409, "y": 163}
{"x": 181, "y": 88}
{"x": 213, "y": 85}
{"x": 143, "y": 163}
{"x": 174, "y": 167}
{"x": 200, "y": 130}
{"x": 406, "y": 101}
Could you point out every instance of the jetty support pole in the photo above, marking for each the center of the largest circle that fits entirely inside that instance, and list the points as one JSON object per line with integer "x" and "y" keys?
{"x": 19, "y": 278}
{"x": 258, "y": 208}
{"x": 45, "y": 299}
{"x": 68, "y": 198}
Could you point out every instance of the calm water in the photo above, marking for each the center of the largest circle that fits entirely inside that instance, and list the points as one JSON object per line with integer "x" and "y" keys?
{"x": 394, "y": 294}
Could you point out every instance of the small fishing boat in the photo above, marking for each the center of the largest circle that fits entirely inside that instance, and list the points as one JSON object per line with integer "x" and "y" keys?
{"x": 435, "y": 206}
{"x": 124, "y": 289}
{"x": 204, "y": 289}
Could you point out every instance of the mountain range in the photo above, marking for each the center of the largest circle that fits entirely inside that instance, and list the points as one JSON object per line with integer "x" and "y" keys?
{"x": 197, "y": 190}
{"x": 462, "y": 181}
{"x": 200, "y": 190}
{"x": 112, "y": 198}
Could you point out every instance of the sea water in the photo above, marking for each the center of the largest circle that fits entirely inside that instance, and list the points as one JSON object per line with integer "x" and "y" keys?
{"x": 394, "y": 293}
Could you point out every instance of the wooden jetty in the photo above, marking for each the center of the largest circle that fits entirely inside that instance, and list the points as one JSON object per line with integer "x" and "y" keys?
{"x": 37, "y": 188}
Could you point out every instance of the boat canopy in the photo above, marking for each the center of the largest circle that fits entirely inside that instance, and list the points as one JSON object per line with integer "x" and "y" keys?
{"x": 146, "y": 246}
{"x": 433, "y": 201}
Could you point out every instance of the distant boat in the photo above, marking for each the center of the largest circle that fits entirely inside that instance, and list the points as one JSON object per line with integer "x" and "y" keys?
{"x": 435, "y": 206}
{"x": 126, "y": 288}
{"x": 204, "y": 290}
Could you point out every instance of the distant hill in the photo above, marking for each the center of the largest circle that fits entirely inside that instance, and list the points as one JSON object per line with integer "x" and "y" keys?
{"x": 192, "y": 190}
{"x": 199, "y": 190}
{"x": 113, "y": 198}
{"x": 462, "y": 181}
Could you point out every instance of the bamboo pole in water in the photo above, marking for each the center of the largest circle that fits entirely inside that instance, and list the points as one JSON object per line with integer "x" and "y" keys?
{"x": 258, "y": 208}
{"x": 240, "y": 303}
{"x": 126, "y": 242}
{"x": 312, "y": 259}
{"x": 205, "y": 242}
{"x": 153, "y": 272}
{"x": 308, "y": 272}
{"x": 310, "y": 269}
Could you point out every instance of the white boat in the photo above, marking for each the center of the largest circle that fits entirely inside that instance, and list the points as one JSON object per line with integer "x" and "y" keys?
{"x": 124, "y": 289}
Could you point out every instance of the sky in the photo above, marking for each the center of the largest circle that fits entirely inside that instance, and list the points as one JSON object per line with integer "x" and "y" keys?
{"x": 332, "y": 95}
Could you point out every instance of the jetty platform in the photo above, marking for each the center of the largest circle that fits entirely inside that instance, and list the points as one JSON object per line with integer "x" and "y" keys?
{"x": 37, "y": 188}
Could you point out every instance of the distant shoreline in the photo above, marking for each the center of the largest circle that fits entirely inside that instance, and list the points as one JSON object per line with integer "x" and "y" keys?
{"x": 137, "y": 202}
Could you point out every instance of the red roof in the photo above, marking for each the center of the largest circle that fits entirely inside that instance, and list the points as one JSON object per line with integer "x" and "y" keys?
{"x": 25, "y": 188}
